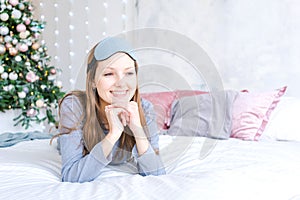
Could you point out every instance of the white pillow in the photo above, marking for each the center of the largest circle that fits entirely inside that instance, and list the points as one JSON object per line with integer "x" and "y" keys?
{"x": 284, "y": 123}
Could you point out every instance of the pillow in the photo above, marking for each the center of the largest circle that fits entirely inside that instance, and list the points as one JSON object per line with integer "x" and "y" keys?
{"x": 251, "y": 112}
{"x": 284, "y": 121}
{"x": 162, "y": 102}
{"x": 207, "y": 115}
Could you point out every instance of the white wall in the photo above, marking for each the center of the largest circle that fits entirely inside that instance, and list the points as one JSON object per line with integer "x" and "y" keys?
{"x": 253, "y": 44}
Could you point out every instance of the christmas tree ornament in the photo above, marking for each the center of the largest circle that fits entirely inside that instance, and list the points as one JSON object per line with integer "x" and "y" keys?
{"x": 4, "y": 75}
{"x": 11, "y": 87}
{"x": 15, "y": 41}
{"x": 31, "y": 77}
{"x": 13, "y": 51}
{"x": 35, "y": 46}
{"x": 52, "y": 71}
{"x": 13, "y": 76}
{"x": 21, "y": 6}
{"x": 39, "y": 103}
{"x": 4, "y": 17}
{"x": 21, "y": 28}
{"x": 4, "y": 30}
{"x": 13, "y": 2}
{"x": 23, "y": 47}
{"x": 16, "y": 14}
{"x": 18, "y": 58}
{"x": 8, "y": 45}
{"x": 2, "y": 49}
{"x": 7, "y": 38}
{"x": 35, "y": 57}
{"x": 1, "y": 69}
{"x": 23, "y": 35}
{"x": 3, "y": 6}
{"x": 21, "y": 95}
{"x": 27, "y": 21}
{"x": 25, "y": 89}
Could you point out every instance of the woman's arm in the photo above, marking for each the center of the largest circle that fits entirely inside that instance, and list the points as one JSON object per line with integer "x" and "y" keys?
{"x": 75, "y": 166}
{"x": 149, "y": 161}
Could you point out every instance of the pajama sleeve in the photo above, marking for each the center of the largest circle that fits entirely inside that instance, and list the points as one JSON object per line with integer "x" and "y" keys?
{"x": 75, "y": 166}
{"x": 150, "y": 163}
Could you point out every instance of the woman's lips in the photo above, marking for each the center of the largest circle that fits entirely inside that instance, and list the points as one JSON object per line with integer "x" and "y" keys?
{"x": 119, "y": 93}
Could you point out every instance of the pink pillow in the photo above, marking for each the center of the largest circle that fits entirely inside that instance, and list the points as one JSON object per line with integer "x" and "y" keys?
{"x": 251, "y": 113}
{"x": 162, "y": 102}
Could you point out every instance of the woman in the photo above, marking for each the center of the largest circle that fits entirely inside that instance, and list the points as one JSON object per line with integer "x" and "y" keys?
{"x": 108, "y": 124}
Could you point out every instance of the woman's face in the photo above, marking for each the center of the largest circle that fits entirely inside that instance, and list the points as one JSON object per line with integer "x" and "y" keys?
{"x": 116, "y": 78}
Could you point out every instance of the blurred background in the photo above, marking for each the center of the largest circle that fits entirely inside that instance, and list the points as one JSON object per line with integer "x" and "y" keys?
{"x": 254, "y": 45}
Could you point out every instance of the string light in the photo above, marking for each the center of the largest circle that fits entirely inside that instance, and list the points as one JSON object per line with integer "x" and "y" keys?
{"x": 105, "y": 20}
{"x": 71, "y": 53}
{"x": 124, "y": 16}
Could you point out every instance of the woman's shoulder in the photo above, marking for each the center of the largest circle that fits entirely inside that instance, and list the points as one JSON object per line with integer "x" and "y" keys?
{"x": 73, "y": 101}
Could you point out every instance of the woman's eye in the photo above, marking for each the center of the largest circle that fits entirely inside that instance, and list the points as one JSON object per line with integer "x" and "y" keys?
{"x": 130, "y": 73}
{"x": 108, "y": 74}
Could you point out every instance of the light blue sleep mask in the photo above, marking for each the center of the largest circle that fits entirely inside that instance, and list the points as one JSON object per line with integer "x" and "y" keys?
{"x": 108, "y": 47}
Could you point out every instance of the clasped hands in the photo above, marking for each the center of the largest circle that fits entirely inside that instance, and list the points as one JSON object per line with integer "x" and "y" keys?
{"x": 123, "y": 114}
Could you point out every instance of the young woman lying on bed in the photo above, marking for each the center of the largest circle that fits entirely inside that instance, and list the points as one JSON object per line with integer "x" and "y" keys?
{"x": 108, "y": 124}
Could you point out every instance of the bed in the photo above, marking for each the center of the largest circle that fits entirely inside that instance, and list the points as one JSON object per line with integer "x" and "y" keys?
{"x": 260, "y": 164}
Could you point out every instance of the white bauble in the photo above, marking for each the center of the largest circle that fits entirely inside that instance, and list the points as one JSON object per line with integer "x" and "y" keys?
{"x": 4, "y": 30}
{"x": 1, "y": 69}
{"x": 4, "y": 17}
{"x": 13, "y": 76}
{"x": 21, "y": 95}
{"x": 4, "y": 75}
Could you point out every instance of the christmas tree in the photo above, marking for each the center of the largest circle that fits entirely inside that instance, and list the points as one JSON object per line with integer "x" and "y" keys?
{"x": 27, "y": 81}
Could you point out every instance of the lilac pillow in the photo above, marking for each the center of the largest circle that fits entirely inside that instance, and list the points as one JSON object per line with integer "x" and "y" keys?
{"x": 251, "y": 113}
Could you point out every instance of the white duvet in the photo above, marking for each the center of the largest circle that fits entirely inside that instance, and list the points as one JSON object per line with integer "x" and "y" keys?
{"x": 197, "y": 168}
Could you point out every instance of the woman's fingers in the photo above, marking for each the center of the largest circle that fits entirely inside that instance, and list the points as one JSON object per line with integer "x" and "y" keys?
{"x": 123, "y": 118}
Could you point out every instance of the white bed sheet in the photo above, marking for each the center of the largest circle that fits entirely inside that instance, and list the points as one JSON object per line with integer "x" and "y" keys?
{"x": 197, "y": 168}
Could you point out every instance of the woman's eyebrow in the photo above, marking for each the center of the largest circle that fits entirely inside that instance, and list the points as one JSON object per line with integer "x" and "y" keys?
{"x": 112, "y": 68}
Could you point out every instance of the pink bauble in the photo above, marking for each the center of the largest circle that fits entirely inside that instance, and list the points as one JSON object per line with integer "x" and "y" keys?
{"x": 31, "y": 77}
{"x": 8, "y": 45}
{"x": 21, "y": 28}
{"x": 23, "y": 47}
{"x": 53, "y": 71}
{"x": 27, "y": 21}
{"x": 13, "y": 2}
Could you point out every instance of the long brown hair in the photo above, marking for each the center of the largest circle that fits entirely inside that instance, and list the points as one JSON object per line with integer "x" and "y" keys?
{"x": 93, "y": 114}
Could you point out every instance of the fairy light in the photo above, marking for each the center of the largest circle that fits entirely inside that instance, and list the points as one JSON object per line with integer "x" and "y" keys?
{"x": 56, "y": 33}
{"x": 71, "y": 53}
{"x": 105, "y": 20}
{"x": 87, "y": 11}
{"x": 124, "y": 16}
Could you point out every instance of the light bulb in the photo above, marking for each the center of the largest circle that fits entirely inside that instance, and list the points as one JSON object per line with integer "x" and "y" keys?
{"x": 71, "y": 27}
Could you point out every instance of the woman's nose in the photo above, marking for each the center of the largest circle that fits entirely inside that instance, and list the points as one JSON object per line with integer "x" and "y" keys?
{"x": 120, "y": 80}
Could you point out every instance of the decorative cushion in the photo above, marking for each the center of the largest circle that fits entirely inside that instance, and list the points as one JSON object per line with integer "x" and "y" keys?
{"x": 162, "y": 102}
{"x": 251, "y": 113}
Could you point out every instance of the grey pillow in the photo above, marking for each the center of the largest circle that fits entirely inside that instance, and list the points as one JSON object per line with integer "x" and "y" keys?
{"x": 208, "y": 115}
